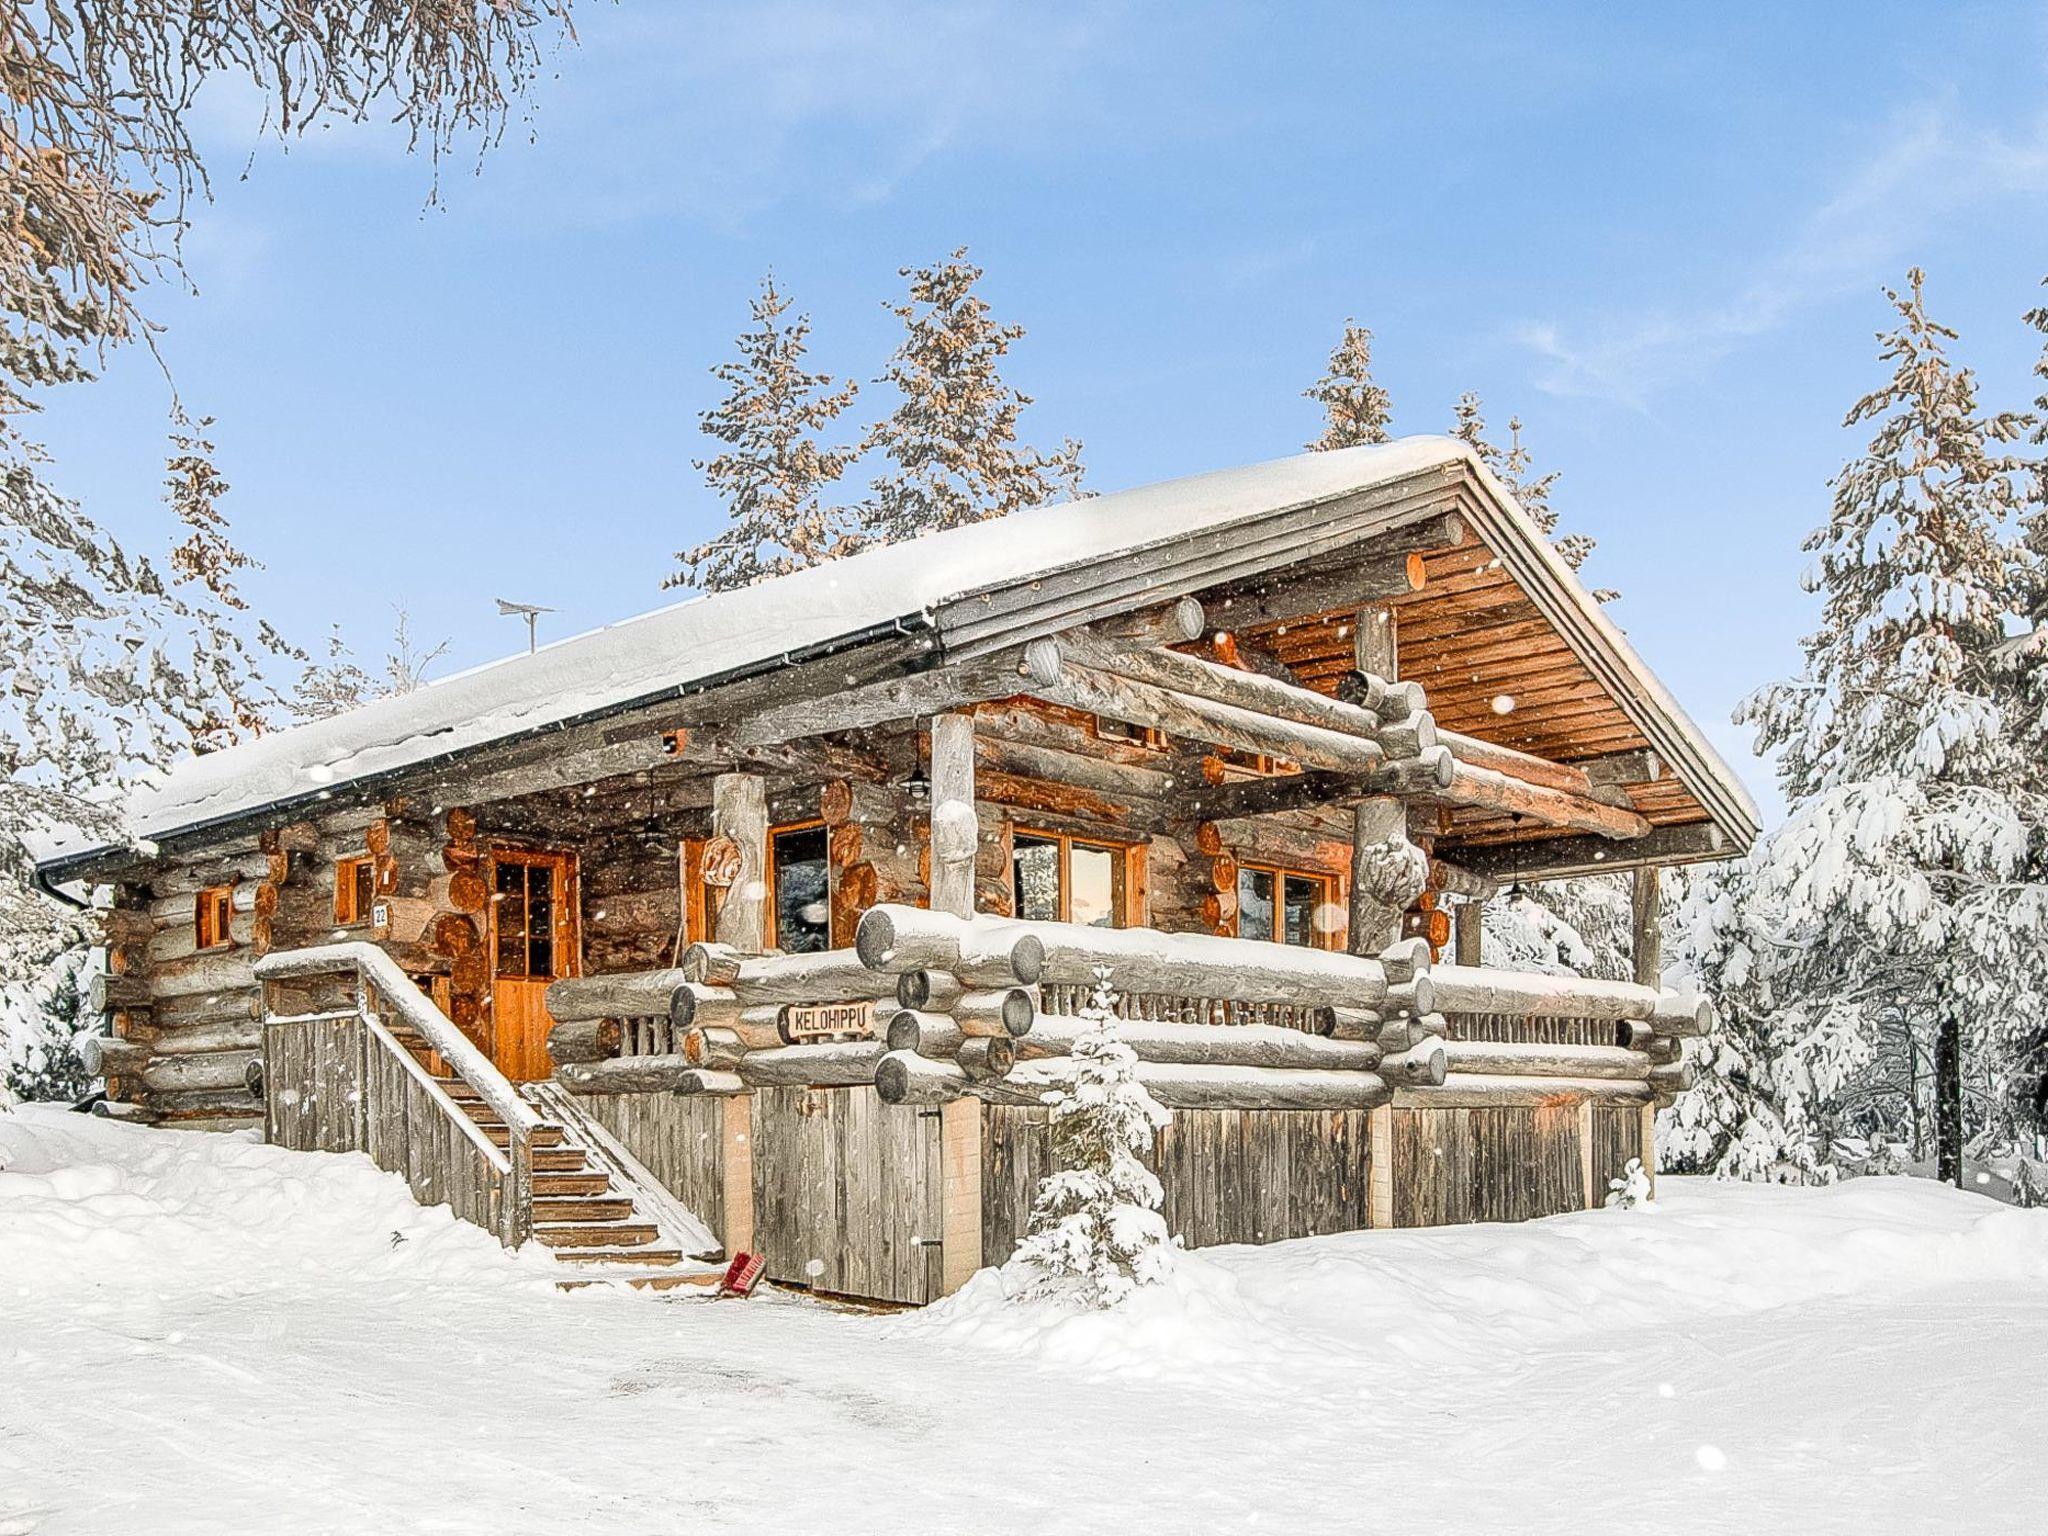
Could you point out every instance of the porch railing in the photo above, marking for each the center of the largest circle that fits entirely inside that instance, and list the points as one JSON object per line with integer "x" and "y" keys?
{"x": 337, "y": 1077}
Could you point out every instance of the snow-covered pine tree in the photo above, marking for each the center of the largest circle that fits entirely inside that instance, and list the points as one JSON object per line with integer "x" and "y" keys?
{"x": 1096, "y": 1233}
{"x": 1901, "y": 876}
{"x": 1355, "y": 409}
{"x": 951, "y": 442}
{"x": 774, "y": 472}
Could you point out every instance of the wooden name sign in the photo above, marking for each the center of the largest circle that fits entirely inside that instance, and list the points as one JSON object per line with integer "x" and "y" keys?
{"x": 818, "y": 1021}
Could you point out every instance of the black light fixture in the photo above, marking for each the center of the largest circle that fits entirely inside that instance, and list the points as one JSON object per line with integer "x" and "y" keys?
{"x": 919, "y": 785}
{"x": 1515, "y": 891}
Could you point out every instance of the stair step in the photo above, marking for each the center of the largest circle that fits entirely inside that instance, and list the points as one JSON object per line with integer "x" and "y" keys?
{"x": 637, "y": 1257}
{"x": 541, "y": 1136}
{"x": 606, "y": 1208}
{"x": 650, "y": 1280}
{"x": 611, "y": 1234}
{"x": 566, "y": 1185}
{"x": 558, "y": 1160}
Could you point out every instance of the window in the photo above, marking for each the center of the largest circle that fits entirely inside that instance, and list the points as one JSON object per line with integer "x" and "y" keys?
{"x": 1107, "y": 729}
{"x": 800, "y": 884}
{"x": 1286, "y": 905}
{"x": 212, "y": 915}
{"x": 523, "y": 918}
{"x": 1056, "y": 878}
{"x": 355, "y": 886}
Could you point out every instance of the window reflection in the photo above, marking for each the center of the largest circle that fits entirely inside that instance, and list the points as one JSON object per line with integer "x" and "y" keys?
{"x": 803, "y": 890}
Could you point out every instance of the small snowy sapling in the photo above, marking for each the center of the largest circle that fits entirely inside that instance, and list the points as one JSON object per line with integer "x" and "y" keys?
{"x": 1096, "y": 1231}
{"x": 1630, "y": 1190}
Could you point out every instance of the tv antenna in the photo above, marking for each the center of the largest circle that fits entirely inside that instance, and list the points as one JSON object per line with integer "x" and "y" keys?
{"x": 530, "y": 612}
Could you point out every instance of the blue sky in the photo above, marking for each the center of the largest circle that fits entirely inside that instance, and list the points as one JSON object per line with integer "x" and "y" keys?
{"x": 1656, "y": 234}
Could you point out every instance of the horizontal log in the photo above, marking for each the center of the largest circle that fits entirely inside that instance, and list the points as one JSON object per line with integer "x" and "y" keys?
{"x": 242, "y": 1034}
{"x": 1422, "y": 1064}
{"x": 831, "y": 976}
{"x": 1526, "y": 766}
{"x": 584, "y": 1040}
{"x": 105, "y": 1056}
{"x": 624, "y": 995}
{"x": 1519, "y": 1060}
{"x": 1524, "y": 994}
{"x": 1232, "y": 1045}
{"x": 987, "y": 1059}
{"x": 926, "y": 1034}
{"x": 1008, "y": 1011}
{"x": 937, "y": 990}
{"x": 707, "y": 1080}
{"x": 838, "y": 1065}
{"x": 214, "y": 1071}
{"x": 980, "y": 951}
{"x": 1558, "y": 858}
{"x": 1486, "y": 789}
{"x": 1477, "y": 1090}
{"x": 105, "y": 993}
{"x": 903, "y": 1077}
{"x": 717, "y": 1048}
{"x": 628, "y": 1074}
{"x": 1190, "y": 718}
{"x": 1206, "y": 965}
{"x": 1204, "y": 1087}
{"x": 1429, "y": 773}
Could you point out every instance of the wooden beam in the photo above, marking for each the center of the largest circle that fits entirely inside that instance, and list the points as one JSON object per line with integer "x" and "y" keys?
{"x": 1199, "y": 719}
{"x": 1642, "y": 766}
{"x": 955, "y": 833}
{"x": 1525, "y": 766}
{"x": 1281, "y": 794}
{"x": 1559, "y": 858}
{"x": 1467, "y": 943}
{"x": 1485, "y": 789}
{"x": 896, "y": 698}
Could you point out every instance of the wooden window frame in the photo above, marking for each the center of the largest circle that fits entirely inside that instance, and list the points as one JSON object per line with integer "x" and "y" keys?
{"x": 1282, "y": 873}
{"x": 347, "y": 913}
{"x": 1132, "y": 899}
{"x": 213, "y": 917}
{"x": 770, "y": 936}
{"x": 568, "y": 924}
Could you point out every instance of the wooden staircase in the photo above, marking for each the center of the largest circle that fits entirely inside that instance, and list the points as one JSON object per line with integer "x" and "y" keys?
{"x": 588, "y": 1211}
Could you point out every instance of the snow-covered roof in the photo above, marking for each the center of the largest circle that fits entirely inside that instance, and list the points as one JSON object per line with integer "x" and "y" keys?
{"x": 950, "y": 582}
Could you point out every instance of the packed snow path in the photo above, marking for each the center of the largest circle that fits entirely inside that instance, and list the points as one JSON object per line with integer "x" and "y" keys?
{"x": 203, "y": 1334}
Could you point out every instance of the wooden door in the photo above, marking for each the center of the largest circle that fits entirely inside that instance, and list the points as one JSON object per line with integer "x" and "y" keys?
{"x": 533, "y": 942}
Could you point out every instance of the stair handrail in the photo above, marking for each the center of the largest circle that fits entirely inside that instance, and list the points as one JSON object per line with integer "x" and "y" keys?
{"x": 377, "y": 972}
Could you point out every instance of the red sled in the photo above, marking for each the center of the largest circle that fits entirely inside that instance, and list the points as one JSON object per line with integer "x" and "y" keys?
{"x": 742, "y": 1274}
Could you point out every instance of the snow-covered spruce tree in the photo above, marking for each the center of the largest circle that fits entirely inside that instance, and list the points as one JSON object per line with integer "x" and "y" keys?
{"x": 774, "y": 472}
{"x": 1096, "y": 1233}
{"x": 1355, "y": 409}
{"x": 1900, "y": 881}
{"x": 951, "y": 445}
{"x": 1747, "y": 1113}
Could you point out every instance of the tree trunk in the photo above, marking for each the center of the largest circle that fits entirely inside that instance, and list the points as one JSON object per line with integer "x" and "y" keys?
{"x": 1948, "y": 1102}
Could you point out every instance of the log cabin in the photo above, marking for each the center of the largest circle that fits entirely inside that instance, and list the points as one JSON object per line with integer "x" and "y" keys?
{"x": 763, "y": 922}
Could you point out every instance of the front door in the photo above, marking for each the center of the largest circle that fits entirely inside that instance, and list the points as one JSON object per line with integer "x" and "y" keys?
{"x": 533, "y": 942}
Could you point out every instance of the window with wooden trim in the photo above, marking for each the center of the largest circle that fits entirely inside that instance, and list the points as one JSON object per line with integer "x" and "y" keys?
{"x": 213, "y": 917}
{"x": 1063, "y": 879}
{"x": 355, "y": 889}
{"x": 1287, "y": 906}
{"x": 800, "y": 888}
{"x": 528, "y": 931}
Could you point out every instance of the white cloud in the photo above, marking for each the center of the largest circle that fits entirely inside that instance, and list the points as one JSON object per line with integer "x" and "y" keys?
{"x": 1932, "y": 168}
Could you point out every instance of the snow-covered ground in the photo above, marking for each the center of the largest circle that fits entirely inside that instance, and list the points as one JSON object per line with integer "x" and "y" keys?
{"x": 200, "y": 1334}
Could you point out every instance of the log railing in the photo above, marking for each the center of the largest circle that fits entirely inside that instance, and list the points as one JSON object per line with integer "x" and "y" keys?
{"x": 929, "y": 1007}
{"x": 336, "y": 1078}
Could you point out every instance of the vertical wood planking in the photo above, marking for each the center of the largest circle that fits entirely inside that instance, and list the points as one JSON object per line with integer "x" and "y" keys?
{"x": 1493, "y": 1164}
{"x": 682, "y": 1140}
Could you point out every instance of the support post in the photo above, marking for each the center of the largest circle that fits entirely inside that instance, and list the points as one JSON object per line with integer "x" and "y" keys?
{"x": 1379, "y": 1201}
{"x": 738, "y": 1170}
{"x": 1591, "y": 1196}
{"x": 956, "y": 832}
{"x": 1386, "y": 873}
{"x": 1468, "y": 939}
{"x": 1648, "y": 931}
{"x": 739, "y": 811}
{"x": 960, "y": 1154}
